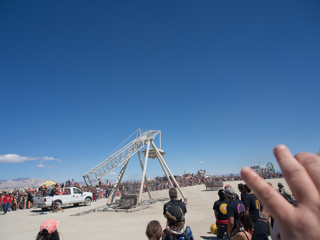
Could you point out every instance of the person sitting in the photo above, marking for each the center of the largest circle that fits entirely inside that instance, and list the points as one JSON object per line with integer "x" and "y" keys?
{"x": 55, "y": 206}
{"x": 301, "y": 172}
{"x": 48, "y": 230}
{"x": 176, "y": 228}
{"x": 154, "y": 230}
{"x": 245, "y": 230}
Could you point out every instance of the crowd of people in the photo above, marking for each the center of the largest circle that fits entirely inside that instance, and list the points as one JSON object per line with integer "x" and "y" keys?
{"x": 260, "y": 209}
{"x": 16, "y": 199}
{"x": 23, "y": 199}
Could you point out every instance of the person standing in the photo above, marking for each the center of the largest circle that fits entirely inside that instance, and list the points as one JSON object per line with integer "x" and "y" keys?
{"x": 25, "y": 198}
{"x": 252, "y": 204}
{"x": 240, "y": 187}
{"x": 1, "y": 202}
{"x": 6, "y": 201}
{"x": 176, "y": 228}
{"x": 220, "y": 212}
{"x": 30, "y": 197}
{"x": 234, "y": 208}
{"x": 261, "y": 229}
{"x": 175, "y": 202}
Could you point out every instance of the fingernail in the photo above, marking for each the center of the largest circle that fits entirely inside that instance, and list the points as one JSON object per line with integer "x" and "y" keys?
{"x": 245, "y": 169}
{"x": 278, "y": 148}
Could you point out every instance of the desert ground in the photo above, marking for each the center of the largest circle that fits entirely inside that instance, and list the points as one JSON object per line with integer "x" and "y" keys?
{"x": 118, "y": 225}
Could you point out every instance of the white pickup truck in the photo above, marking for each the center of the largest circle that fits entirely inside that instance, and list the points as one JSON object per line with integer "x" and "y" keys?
{"x": 71, "y": 195}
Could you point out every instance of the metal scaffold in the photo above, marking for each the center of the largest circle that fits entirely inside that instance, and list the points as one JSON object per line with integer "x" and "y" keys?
{"x": 122, "y": 157}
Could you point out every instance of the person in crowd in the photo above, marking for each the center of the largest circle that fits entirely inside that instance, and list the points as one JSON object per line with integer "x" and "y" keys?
{"x": 174, "y": 201}
{"x": 299, "y": 221}
{"x": 154, "y": 230}
{"x": 6, "y": 201}
{"x": 1, "y": 203}
{"x": 25, "y": 199}
{"x": 286, "y": 195}
{"x": 55, "y": 206}
{"x": 280, "y": 187}
{"x": 262, "y": 227}
{"x": 275, "y": 232}
{"x": 234, "y": 208}
{"x": 176, "y": 228}
{"x": 245, "y": 227}
{"x": 49, "y": 230}
{"x": 251, "y": 204}
{"x": 220, "y": 212}
{"x": 30, "y": 199}
{"x": 14, "y": 202}
{"x": 240, "y": 188}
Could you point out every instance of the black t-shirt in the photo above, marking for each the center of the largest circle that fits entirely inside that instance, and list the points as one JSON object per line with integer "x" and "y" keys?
{"x": 234, "y": 208}
{"x": 260, "y": 231}
{"x": 253, "y": 203}
{"x": 242, "y": 196}
{"x": 175, "y": 202}
{"x": 221, "y": 207}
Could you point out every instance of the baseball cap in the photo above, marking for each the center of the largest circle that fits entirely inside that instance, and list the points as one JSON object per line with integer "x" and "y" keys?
{"x": 175, "y": 212}
{"x": 50, "y": 225}
{"x": 229, "y": 192}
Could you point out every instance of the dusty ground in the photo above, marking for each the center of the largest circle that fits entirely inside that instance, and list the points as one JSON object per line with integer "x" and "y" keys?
{"x": 117, "y": 225}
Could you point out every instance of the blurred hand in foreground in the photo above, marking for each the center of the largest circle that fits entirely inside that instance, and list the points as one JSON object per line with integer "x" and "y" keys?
{"x": 302, "y": 173}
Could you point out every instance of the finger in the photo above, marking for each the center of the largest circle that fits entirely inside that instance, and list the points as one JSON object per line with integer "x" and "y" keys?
{"x": 276, "y": 204}
{"x": 296, "y": 175}
{"x": 311, "y": 163}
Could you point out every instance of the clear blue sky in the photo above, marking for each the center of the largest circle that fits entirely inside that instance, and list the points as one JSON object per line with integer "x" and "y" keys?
{"x": 225, "y": 82}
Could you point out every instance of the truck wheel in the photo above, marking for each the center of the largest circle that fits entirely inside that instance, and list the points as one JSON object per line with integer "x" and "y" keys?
{"x": 76, "y": 204}
{"x": 87, "y": 202}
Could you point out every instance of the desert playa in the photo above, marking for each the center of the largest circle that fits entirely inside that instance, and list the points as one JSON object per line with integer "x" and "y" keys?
{"x": 118, "y": 225}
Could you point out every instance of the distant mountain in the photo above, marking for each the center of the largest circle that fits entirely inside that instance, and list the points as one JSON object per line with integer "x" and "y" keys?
{"x": 22, "y": 183}
{"x": 2, "y": 181}
{"x": 20, "y": 179}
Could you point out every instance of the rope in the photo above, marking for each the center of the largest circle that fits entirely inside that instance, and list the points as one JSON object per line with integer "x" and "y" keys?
{"x": 117, "y": 147}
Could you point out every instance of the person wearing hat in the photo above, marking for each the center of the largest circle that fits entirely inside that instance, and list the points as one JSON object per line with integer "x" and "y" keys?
{"x": 220, "y": 212}
{"x": 176, "y": 227}
{"x": 234, "y": 208}
{"x": 48, "y": 230}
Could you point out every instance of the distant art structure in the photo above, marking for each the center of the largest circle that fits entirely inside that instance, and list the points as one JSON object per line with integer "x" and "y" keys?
{"x": 122, "y": 157}
{"x": 264, "y": 169}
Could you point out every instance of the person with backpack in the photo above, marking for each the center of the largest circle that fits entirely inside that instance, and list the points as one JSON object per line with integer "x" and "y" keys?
{"x": 176, "y": 228}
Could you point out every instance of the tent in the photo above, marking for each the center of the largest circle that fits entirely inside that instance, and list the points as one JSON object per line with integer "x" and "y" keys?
{"x": 48, "y": 183}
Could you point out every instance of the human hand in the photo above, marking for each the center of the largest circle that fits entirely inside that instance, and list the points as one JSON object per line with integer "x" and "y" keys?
{"x": 302, "y": 173}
